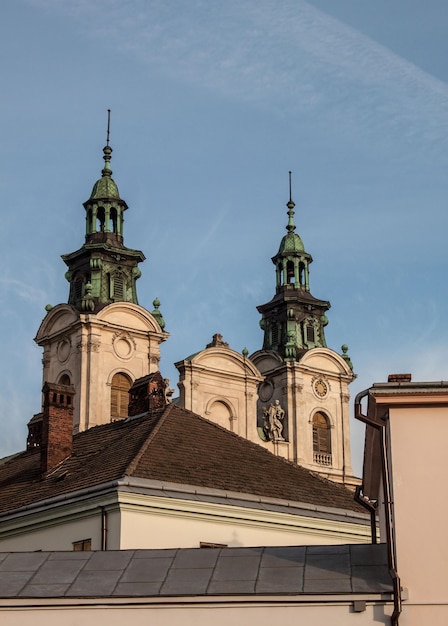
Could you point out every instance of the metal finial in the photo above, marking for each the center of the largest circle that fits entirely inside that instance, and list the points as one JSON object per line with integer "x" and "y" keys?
{"x": 290, "y": 204}
{"x": 108, "y": 127}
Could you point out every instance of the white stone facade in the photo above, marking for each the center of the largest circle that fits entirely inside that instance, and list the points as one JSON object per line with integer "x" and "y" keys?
{"x": 87, "y": 350}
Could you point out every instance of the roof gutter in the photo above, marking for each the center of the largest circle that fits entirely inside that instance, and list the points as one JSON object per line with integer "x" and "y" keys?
{"x": 69, "y": 497}
{"x": 390, "y": 531}
{"x": 162, "y": 486}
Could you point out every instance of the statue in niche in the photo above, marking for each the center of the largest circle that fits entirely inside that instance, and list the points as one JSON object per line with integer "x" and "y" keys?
{"x": 272, "y": 421}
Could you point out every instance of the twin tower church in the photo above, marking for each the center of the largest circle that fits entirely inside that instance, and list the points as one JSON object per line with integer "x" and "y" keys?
{"x": 290, "y": 397}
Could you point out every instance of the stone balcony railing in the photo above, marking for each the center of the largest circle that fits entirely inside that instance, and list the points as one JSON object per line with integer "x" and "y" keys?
{"x": 321, "y": 458}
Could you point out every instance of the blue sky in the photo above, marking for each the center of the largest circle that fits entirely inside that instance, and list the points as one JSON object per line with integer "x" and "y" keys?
{"x": 212, "y": 103}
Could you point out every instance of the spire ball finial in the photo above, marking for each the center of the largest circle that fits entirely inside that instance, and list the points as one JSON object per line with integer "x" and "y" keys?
{"x": 107, "y": 150}
{"x": 108, "y": 127}
{"x": 290, "y": 204}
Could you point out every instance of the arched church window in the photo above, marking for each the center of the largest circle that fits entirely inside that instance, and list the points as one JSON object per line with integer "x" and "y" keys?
{"x": 119, "y": 396}
{"x": 321, "y": 439}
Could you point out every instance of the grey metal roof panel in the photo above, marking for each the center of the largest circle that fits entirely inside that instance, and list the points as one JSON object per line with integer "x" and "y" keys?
{"x": 196, "y": 572}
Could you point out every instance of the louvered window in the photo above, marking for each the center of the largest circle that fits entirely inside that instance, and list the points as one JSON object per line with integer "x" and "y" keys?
{"x": 77, "y": 286}
{"x": 310, "y": 333}
{"x": 118, "y": 287}
{"x": 274, "y": 334}
{"x": 119, "y": 397}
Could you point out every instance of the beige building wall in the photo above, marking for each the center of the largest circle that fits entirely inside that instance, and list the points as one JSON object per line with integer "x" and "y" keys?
{"x": 132, "y": 520}
{"x": 235, "y": 391}
{"x": 416, "y": 435}
{"x": 91, "y": 348}
{"x": 221, "y": 385}
{"x": 318, "y": 383}
{"x": 237, "y": 610}
{"x": 57, "y": 527}
{"x": 167, "y": 523}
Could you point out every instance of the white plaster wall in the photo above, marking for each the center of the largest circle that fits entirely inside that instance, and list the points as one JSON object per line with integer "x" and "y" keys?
{"x": 221, "y": 385}
{"x": 182, "y": 527}
{"x": 236, "y": 612}
{"x": 46, "y": 533}
{"x": 122, "y": 337}
{"x": 58, "y": 537}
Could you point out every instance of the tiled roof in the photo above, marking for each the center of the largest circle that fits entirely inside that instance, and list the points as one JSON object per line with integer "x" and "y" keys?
{"x": 173, "y": 445}
{"x": 360, "y": 569}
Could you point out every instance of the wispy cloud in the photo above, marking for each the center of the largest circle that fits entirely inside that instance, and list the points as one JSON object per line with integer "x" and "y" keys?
{"x": 288, "y": 57}
{"x": 24, "y": 290}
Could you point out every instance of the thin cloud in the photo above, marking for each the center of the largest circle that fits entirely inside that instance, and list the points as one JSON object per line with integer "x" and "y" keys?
{"x": 291, "y": 58}
{"x": 25, "y": 291}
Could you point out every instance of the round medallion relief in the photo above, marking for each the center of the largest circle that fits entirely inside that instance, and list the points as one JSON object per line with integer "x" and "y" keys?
{"x": 123, "y": 347}
{"x": 63, "y": 350}
{"x": 265, "y": 391}
{"x": 320, "y": 388}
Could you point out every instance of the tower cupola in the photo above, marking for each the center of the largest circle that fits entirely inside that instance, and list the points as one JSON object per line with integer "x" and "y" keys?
{"x": 293, "y": 321}
{"x": 103, "y": 270}
{"x": 291, "y": 261}
{"x": 105, "y": 209}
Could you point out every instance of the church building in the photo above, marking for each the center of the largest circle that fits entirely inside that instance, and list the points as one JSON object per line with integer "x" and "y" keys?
{"x": 113, "y": 462}
{"x": 291, "y": 396}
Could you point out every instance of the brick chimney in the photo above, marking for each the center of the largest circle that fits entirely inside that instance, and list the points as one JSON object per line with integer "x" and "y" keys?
{"x": 57, "y": 425}
{"x": 148, "y": 393}
{"x": 399, "y": 378}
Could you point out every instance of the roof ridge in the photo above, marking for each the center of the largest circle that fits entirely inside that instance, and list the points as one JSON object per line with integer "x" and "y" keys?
{"x": 133, "y": 464}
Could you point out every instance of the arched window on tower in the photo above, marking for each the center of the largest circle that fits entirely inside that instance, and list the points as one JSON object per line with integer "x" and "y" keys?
{"x": 113, "y": 217}
{"x": 101, "y": 219}
{"x": 290, "y": 277}
{"x": 119, "y": 396}
{"x": 302, "y": 273}
{"x": 89, "y": 221}
{"x": 321, "y": 439}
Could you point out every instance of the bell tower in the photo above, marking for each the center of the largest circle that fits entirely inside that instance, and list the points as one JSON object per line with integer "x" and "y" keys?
{"x": 303, "y": 402}
{"x": 293, "y": 321}
{"x": 102, "y": 340}
{"x": 103, "y": 270}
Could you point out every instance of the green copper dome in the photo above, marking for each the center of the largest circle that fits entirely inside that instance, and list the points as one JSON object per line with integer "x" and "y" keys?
{"x": 105, "y": 187}
{"x": 291, "y": 242}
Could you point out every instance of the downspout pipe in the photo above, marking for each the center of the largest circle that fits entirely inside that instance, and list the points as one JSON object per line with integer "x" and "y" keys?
{"x": 390, "y": 539}
{"x": 371, "y": 510}
{"x": 103, "y": 528}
